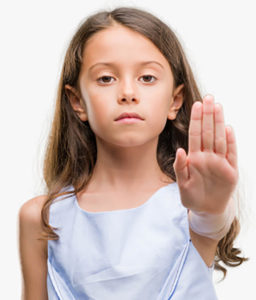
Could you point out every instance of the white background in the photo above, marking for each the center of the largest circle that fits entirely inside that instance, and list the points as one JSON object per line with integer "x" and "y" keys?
{"x": 219, "y": 39}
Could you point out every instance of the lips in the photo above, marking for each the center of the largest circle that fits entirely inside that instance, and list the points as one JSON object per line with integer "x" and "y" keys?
{"x": 129, "y": 115}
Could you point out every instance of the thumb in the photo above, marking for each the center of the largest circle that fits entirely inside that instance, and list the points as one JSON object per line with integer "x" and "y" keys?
{"x": 180, "y": 166}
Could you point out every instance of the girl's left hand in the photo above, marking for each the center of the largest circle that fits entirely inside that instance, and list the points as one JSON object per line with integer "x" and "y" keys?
{"x": 207, "y": 176}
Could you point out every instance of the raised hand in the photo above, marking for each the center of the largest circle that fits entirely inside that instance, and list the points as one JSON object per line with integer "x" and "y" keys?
{"x": 207, "y": 176}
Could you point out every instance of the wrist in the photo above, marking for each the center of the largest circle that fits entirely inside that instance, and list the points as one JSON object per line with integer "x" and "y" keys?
{"x": 214, "y": 226}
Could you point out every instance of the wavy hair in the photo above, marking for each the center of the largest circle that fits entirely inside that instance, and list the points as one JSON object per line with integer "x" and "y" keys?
{"x": 71, "y": 149}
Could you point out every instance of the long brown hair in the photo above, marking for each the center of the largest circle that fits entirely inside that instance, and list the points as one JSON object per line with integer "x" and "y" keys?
{"x": 71, "y": 150}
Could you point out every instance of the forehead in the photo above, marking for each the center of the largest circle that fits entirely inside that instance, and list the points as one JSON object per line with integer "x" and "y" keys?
{"x": 122, "y": 45}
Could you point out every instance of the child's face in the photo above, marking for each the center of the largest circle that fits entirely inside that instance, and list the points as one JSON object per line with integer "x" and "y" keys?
{"x": 127, "y": 85}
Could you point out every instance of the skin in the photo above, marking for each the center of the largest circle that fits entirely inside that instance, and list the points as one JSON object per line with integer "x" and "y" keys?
{"x": 125, "y": 151}
{"x": 206, "y": 175}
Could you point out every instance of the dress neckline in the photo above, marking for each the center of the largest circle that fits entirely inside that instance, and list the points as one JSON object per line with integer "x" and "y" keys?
{"x": 116, "y": 211}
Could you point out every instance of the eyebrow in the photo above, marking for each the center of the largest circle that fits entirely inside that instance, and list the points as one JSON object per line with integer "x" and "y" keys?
{"x": 143, "y": 63}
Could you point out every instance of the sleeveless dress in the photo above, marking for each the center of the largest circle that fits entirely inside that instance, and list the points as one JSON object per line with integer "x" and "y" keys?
{"x": 142, "y": 253}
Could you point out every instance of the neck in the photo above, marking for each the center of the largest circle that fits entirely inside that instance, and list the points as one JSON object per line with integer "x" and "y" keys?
{"x": 127, "y": 168}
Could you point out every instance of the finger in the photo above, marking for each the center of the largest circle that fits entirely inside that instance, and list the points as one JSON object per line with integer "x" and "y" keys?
{"x": 195, "y": 128}
{"x": 220, "y": 144}
{"x": 231, "y": 147}
{"x": 208, "y": 123}
{"x": 180, "y": 166}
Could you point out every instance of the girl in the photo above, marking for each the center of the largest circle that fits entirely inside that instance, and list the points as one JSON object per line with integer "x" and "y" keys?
{"x": 140, "y": 172}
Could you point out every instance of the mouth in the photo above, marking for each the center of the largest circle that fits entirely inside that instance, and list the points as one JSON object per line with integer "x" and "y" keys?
{"x": 129, "y": 120}
{"x": 129, "y": 115}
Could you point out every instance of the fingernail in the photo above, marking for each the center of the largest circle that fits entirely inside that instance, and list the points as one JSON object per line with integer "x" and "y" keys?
{"x": 209, "y": 97}
{"x": 197, "y": 104}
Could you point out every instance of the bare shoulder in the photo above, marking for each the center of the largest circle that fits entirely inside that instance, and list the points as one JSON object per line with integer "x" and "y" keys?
{"x": 30, "y": 215}
{"x": 30, "y": 211}
{"x": 33, "y": 251}
{"x": 30, "y": 223}
{"x": 31, "y": 208}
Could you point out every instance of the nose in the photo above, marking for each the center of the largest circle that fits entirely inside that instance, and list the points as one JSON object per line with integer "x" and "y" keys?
{"x": 127, "y": 92}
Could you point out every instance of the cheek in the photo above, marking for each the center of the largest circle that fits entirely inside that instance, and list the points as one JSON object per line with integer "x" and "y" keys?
{"x": 160, "y": 100}
{"x": 98, "y": 103}
{"x": 98, "y": 110}
{"x": 100, "y": 114}
{"x": 158, "y": 109}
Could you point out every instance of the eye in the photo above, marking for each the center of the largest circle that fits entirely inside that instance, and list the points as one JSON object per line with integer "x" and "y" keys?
{"x": 104, "y": 79}
{"x": 148, "y": 78}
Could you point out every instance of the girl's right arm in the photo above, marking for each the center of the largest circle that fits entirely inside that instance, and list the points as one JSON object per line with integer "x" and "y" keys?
{"x": 33, "y": 252}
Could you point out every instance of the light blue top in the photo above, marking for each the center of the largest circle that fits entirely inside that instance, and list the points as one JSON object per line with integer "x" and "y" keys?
{"x": 142, "y": 253}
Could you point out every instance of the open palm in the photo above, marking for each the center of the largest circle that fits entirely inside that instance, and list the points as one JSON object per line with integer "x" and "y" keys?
{"x": 207, "y": 176}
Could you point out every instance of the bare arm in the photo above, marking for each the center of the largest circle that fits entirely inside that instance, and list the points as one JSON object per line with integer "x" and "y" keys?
{"x": 33, "y": 252}
{"x": 208, "y": 174}
{"x": 206, "y": 247}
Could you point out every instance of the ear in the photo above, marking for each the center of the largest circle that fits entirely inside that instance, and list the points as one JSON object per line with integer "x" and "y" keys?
{"x": 76, "y": 102}
{"x": 176, "y": 102}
